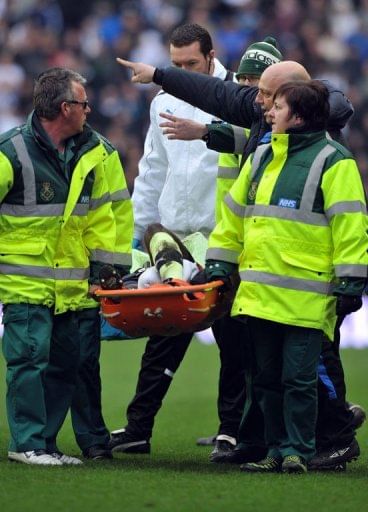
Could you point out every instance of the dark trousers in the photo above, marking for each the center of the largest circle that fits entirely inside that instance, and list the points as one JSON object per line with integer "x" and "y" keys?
{"x": 52, "y": 365}
{"x": 86, "y": 409}
{"x": 335, "y": 421}
{"x": 74, "y": 365}
{"x": 285, "y": 385}
{"x": 161, "y": 359}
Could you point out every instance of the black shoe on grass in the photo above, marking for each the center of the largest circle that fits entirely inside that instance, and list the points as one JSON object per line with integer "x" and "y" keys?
{"x": 335, "y": 458}
{"x": 97, "y": 452}
{"x": 121, "y": 441}
{"x": 240, "y": 454}
{"x": 224, "y": 444}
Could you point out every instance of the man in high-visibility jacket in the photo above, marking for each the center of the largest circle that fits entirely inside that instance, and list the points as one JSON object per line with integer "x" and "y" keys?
{"x": 57, "y": 228}
{"x": 298, "y": 235}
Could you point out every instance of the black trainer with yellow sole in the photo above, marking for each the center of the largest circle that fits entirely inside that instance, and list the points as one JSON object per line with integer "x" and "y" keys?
{"x": 294, "y": 464}
{"x": 266, "y": 465}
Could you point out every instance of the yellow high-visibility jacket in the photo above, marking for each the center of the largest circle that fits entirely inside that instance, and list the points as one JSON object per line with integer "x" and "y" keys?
{"x": 229, "y": 168}
{"x": 57, "y": 229}
{"x": 295, "y": 222}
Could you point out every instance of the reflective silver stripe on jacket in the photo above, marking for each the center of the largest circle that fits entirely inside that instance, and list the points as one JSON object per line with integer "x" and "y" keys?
{"x": 240, "y": 139}
{"x": 228, "y": 172}
{"x": 222, "y": 254}
{"x": 120, "y": 195}
{"x": 96, "y": 203}
{"x": 41, "y": 210}
{"x": 351, "y": 270}
{"x": 29, "y": 179}
{"x": 313, "y": 179}
{"x": 103, "y": 256}
{"x": 123, "y": 258}
{"x": 30, "y": 208}
{"x": 258, "y": 154}
{"x": 292, "y": 283}
{"x": 62, "y": 274}
{"x": 278, "y": 212}
{"x": 346, "y": 207}
{"x": 236, "y": 208}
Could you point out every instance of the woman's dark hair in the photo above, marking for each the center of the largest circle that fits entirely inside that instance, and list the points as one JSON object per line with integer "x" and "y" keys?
{"x": 184, "y": 35}
{"x": 308, "y": 100}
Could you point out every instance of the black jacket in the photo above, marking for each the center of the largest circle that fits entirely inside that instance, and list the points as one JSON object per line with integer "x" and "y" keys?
{"x": 235, "y": 104}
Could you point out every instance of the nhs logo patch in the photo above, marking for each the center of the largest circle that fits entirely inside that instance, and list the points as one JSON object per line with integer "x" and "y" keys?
{"x": 287, "y": 203}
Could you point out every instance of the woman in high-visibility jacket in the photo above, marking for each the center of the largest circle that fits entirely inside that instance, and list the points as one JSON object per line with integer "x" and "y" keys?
{"x": 295, "y": 224}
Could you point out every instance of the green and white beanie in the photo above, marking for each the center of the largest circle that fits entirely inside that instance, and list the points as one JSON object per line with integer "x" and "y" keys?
{"x": 258, "y": 56}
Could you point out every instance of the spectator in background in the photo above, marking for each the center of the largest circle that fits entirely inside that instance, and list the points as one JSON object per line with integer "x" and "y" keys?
{"x": 300, "y": 27}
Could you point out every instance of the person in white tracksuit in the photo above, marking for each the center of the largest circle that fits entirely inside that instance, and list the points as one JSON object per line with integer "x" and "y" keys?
{"x": 176, "y": 187}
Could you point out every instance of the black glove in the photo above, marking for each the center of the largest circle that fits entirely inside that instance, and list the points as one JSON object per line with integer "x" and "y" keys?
{"x": 346, "y": 304}
{"x": 130, "y": 281}
{"x": 110, "y": 278}
{"x": 200, "y": 278}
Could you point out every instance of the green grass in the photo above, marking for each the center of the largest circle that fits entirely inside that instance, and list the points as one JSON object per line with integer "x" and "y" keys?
{"x": 177, "y": 475}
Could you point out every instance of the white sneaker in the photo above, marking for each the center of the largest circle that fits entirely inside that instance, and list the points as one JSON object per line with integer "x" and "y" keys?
{"x": 36, "y": 457}
{"x": 66, "y": 459}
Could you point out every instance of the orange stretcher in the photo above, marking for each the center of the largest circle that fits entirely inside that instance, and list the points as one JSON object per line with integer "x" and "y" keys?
{"x": 162, "y": 309}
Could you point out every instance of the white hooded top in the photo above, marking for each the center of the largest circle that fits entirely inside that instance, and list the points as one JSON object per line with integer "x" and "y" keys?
{"x": 177, "y": 179}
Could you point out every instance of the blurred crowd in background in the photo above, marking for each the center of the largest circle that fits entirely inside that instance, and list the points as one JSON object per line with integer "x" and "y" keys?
{"x": 330, "y": 37}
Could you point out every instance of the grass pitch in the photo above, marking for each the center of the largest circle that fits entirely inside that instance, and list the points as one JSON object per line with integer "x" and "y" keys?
{"x": 177, "y": 475}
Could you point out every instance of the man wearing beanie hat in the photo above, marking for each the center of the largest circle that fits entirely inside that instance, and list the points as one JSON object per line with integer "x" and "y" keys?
{"x": 257, "y": 57}
{"x": 230, "y": 138}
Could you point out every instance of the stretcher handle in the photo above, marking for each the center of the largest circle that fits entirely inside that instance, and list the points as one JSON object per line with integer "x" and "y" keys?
{"x": 162, "y": 289}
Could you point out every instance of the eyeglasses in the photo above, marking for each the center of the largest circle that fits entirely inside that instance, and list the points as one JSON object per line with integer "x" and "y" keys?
{"x": 84, "y": 104}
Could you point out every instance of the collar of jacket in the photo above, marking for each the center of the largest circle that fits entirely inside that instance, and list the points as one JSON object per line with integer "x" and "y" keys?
{"x": 294, "y": 142}
{"x": 219, "y": 70}
{"x": 87, "y": 138}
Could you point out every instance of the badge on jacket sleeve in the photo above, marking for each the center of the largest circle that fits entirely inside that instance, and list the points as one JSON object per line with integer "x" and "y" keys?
{"x": 252, "y": 191}
{"x": 47, "y": 193}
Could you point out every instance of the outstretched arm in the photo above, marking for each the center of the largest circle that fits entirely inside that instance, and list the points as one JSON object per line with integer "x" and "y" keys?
{"x": 226, "y": 100}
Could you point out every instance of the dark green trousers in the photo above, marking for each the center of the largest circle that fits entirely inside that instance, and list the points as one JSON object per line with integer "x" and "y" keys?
{"x": 86, "y": 410}
{"x": 26, "y": 345}
{"x": 44, "y": 354}
{"x": 285, "y": 385}
{"x": 83, "y": 393}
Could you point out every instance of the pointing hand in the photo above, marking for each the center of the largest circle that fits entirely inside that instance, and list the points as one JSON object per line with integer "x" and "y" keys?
{"x": 142, "y": 73}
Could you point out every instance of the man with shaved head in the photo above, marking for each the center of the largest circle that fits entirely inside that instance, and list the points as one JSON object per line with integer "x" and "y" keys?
{"x": 248, "y": 107}
{"x": 273, "y": 77}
